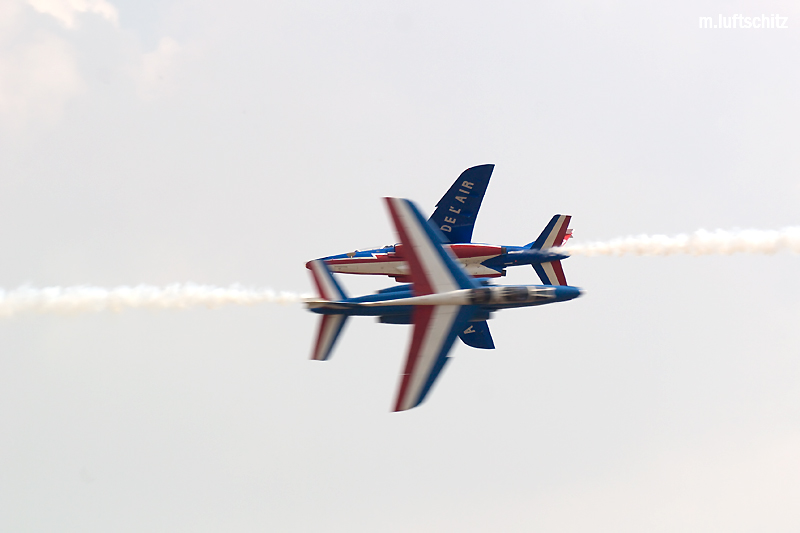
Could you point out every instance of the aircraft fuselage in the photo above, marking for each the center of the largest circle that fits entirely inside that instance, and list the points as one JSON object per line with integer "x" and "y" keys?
{"x": 489, "y": 298}
{"x": 479, "y": 260}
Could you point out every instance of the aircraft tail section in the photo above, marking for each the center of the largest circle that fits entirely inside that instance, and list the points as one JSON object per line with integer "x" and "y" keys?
{"x": 556, "y": 233}
{"x": 551, "y": 273}
{"x": 456, "y": 212}
{"x": 330, "y": 327}
{"x": 327, "y": 286}
{"x": 477, "y": 335}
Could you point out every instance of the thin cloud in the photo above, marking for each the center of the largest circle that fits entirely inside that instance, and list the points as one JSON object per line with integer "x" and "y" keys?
{"x": 67, "y": 11}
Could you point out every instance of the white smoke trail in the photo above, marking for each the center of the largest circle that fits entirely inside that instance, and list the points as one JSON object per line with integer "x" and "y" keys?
{"x": 82, "y": 299}
{"x": 701, "y": 242}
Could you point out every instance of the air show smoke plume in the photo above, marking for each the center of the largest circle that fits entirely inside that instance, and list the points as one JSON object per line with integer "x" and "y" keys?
{"x": 82, "y": 299}
{"x": 701, "y": 242}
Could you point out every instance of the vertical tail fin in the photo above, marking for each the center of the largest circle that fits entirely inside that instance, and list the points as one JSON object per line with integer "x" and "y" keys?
{"x": 457, "y": 210}
{"x": 554, "y": 234}
{"x": 477, "y": 335}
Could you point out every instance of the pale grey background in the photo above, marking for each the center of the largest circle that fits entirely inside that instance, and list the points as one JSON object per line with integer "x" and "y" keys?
{"x": 231, "y": 142}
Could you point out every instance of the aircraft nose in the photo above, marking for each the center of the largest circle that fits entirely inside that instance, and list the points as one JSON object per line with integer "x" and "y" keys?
{"x": 568, "y": 293}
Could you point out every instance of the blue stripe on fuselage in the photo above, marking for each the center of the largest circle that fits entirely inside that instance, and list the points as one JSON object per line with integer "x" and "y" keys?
{"x": 521, "y": 256}
{"x": 360, "y": 253}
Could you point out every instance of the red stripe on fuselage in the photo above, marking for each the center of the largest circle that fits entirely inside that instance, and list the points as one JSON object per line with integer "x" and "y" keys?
{"x": 463, "y": 251}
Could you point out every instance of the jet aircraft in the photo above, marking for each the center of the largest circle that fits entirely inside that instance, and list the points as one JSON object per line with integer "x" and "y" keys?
{"x": 455, "y": 216}
{"x": 442, "y": 302}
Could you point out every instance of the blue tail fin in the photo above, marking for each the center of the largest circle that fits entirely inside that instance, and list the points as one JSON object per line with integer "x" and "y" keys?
{"x": 457, "y": 210}
{"x": 554, "y": 234}
{"x": 477, "y": 335}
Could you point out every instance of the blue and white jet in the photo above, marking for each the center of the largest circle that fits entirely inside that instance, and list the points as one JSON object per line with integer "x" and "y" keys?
{"x": 455, "y": 217}
{"x": 442, "y": 302}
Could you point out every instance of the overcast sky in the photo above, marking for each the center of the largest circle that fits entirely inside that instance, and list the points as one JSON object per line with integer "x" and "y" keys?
{"x": 147, "y": 141}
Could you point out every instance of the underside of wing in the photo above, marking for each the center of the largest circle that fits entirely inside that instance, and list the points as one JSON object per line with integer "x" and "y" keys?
{"x": 435, "y": 329}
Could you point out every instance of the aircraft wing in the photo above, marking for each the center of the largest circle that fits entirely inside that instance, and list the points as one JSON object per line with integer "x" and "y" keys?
{"x": 431, "y": 267}
{"x": 435, "y": 329}
{"x": 456, "y": 212}
{"x": 432, "y": 271}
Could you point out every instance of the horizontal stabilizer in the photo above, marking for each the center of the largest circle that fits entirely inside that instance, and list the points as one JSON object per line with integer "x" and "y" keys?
{"x": 326, "y": 284}
{"x": 456, "y": 212}
{"x": 330, "y": 326}
{"x": 477, "y": 335}
{"x": 551, "y": 273}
